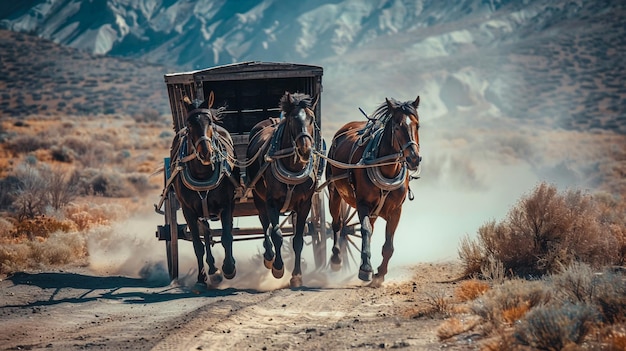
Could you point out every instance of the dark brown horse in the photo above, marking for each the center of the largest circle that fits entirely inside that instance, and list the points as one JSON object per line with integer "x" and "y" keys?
{"x": 390, "y": 140}
{"x": 283, "y": 178}
{"x": 205, "y": 181}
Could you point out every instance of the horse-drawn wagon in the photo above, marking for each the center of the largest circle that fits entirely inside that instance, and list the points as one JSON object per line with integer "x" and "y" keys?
{"x": 243, "y": 95}
{"x": 261, "y": 153}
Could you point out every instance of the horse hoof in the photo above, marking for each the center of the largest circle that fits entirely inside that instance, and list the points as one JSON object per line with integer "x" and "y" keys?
{"x": 230, "y": 275}
{"x": 335, "y": 263}
{"x": 215, "y": 279}
{"x": 365, "y": 275}
{"x": 296, "y": 281}
{"x": 278, "y": 273}
{"x": 268, "y": 263}
{"x": 377, "y": 282}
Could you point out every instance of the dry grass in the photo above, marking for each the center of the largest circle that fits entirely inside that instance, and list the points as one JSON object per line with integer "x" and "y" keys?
{"x": 471, "y": 289}
{"x": 86, "y": 215}
{"x": 59, "y": 248}
{"x": 454, "y": 326}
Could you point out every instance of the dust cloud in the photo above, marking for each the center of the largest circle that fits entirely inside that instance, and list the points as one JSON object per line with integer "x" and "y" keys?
{"x": 130, "y": 248}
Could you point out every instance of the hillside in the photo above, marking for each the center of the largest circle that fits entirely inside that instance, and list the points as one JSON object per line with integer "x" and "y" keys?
{"x": 39, "y": 77}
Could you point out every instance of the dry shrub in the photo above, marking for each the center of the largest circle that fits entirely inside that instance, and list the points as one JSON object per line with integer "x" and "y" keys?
{"x": 6, "y": 229}
{"x": 87, "y": 216}
{"x": 612, "y": 211}
{"x": 41, "y": 227}
{"x": 549, "y": 328}
{"x": 13, "y": 257}
{"x": 104, "y": 183}
{"x": 59, "y": 248}
{"x": 610, "y": 296}
{"x": 470, "y": 289}
{"x": 545, "y": 232}
{"x": 455, "y": 326}
{"x": 472, "y": 256}
{"x": 500, "y": 305}
{"x": 439, "y": 302}
{"x": 23, "y": 144}
{"x": 515, "y": 313}
{"x": 139, "y": 181}
{"x": 148, "y": 115}
{"x": 62, "y": 187}
{"x": 30, "y": 196}
{"x": 577, "y": 283}
{"x": 41, "y": 188}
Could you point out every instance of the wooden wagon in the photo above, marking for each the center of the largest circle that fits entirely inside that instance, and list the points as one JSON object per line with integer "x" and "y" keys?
{"x": 250, "y": 91}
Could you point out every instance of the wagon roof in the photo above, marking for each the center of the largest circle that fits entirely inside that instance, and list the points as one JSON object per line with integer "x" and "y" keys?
{"x": 246, "y": 70}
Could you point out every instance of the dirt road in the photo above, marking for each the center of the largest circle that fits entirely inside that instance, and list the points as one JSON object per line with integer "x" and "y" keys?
{"x": 76, "y": 309}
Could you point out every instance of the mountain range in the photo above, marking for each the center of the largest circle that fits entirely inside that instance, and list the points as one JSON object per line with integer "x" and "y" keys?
{"x": 555, "y": 62}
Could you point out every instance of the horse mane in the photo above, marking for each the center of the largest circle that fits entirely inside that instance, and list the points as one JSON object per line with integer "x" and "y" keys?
{"x": 383, "y": 112}
{"x": 297, "y": 99}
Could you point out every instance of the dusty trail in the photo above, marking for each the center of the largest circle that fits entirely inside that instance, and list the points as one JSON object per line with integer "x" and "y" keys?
{"x": 75, "y": 310}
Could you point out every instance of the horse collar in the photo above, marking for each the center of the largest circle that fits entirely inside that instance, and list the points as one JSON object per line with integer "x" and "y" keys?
{"x": 222, "y": 167}
{"x": 374, "y": 173}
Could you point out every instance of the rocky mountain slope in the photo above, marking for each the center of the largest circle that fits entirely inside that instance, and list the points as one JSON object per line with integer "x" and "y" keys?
{"x": 558, "y": 63}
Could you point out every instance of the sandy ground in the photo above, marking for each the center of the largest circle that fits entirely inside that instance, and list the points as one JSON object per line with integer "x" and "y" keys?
{"x": 77, "y": 308}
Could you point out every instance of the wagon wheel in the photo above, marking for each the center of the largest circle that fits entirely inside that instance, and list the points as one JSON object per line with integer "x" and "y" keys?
{"x": 317, "y": 228}
{"x": 349, "y": 250}
{"x": 171, "y": 245}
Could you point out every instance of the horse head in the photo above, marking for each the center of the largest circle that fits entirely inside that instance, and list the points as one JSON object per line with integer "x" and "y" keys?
{"x": 297, "y": 110}
{"x": 200, "y": 124}
{"x": 405, "y": 128}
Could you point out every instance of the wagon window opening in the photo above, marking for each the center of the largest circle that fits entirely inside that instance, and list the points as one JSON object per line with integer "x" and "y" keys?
{"x": 251, "y": 101}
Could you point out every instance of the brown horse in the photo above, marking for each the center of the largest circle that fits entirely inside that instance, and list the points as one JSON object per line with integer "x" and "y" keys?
{"x": 389, "y": 140}
{"x": 283, "y": 178}
{"x": 205, "y": 181}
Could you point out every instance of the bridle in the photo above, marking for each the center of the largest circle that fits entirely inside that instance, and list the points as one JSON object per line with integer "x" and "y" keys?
{"x": 211, "y": 145}
{"x": 402, "y": 148}
{"x": 304, "y": 132}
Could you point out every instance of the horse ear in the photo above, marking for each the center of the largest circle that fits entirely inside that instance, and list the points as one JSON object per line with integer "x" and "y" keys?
{"x": 389, "y": 104}
{"x": 211, "y": 99}
{"x": 188, "y": 105}
{"x": 416, "y": 102}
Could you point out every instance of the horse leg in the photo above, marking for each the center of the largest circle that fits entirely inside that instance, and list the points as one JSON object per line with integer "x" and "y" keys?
{"x": 278, "y": 267}
{"x": 298, "y": 243}
{"x": 228, "y": 267}
{"x": 268, "y": 254}
{"x": 198, "y": 248}
{"x": 365, "y": 271}
{"x": 390, "y": 230}
{"x": 214, "y": 275}
{"x": 334, "y": 204}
